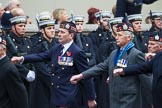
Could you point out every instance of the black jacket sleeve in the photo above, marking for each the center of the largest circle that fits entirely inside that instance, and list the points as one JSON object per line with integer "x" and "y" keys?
{"x": 16, "y": 89}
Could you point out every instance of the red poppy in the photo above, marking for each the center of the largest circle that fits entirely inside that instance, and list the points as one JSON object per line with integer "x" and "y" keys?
{"x": 68, "y": 53}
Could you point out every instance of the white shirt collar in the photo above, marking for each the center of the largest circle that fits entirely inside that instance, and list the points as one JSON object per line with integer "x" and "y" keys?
{"x": 66, "y": 46}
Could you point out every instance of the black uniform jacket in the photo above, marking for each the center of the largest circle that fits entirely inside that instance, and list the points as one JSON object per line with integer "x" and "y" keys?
{"x": 12, "y": 90}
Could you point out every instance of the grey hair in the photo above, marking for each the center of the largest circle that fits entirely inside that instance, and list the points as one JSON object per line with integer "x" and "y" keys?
{"x": 129, "y": 33}
{"x": 8, "y": 4}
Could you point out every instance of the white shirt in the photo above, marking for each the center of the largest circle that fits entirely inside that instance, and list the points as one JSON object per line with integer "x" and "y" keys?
{"x": 66, "y": 46}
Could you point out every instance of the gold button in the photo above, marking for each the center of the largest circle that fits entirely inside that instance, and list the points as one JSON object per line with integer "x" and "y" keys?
{"x": 52, "y": 84}
{"x": 63, "y": 68}
{"x": 28, "y": 46}
{"x": 53, "y": 74}
{"x": 58, "y": 77}
{"x": 58, "y": 86}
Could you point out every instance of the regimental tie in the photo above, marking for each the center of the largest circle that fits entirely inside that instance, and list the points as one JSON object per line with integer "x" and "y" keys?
{"x": 61, "y": 50}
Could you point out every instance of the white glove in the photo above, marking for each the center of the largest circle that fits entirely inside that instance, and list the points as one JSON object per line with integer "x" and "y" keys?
{"x": 30, "y": 76}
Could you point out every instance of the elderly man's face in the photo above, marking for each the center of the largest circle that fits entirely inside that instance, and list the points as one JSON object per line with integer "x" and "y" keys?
{"x": 64, "y": 36}
{"x": 154, "y": 46}
{"x": 122, "y": 39}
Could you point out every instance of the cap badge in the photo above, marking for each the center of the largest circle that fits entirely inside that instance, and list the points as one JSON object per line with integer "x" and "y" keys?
{"x": 125, "y": 27}
{"x": 157, "y": 37}
{"x": 67, "y": 26}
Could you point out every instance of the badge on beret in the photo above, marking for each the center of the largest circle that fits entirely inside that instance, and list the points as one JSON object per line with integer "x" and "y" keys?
{"x": 67, "y": 26}
{"x": 156, "y": 37}
{"x": 125, "y": 27}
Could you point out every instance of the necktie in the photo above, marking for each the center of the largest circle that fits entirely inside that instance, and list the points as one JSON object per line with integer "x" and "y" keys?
{"x": 61, "y": 51}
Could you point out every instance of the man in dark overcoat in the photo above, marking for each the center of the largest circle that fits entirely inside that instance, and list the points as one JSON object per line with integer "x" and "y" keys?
{"x": 13, "y": 93}
{"x": 124, "y": 91}
{"x": 154, "y": 67}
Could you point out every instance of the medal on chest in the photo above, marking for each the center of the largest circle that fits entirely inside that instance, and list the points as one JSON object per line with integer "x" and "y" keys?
{"x": 122, "y": 63}
{"x": 67, "y": 61}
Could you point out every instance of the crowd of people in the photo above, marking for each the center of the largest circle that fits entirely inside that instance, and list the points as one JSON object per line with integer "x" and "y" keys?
{"x": 70, "y": 69}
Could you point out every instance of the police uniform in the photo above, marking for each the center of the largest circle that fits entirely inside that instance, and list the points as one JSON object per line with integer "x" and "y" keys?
{"x": 65, "y": 63}
{"x": 42, "y": 84}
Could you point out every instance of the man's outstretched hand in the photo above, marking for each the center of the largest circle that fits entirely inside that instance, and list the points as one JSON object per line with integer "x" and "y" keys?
{"x": 17, "y": 60}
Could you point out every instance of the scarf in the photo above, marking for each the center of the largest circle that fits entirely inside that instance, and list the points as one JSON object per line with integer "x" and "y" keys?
{"x": 120, "y": 53}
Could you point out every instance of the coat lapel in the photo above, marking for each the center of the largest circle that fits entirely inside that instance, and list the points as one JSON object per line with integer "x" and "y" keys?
{"x": 2, "y": 61}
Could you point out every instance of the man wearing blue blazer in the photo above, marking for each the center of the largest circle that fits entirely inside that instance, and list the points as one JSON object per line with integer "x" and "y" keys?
{"x": 67, "y": 60}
